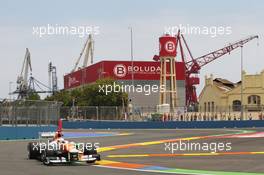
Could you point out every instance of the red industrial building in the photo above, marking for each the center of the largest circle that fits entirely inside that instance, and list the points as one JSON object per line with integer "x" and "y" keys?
{"x": 143, "y": 73}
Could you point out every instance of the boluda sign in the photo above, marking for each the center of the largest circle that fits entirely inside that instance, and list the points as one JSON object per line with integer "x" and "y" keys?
{"x": 167, "y": 46}
{"x": 73, "y": 79}
{"x": 120, "y": 70}
{"x": 142, "y": 70}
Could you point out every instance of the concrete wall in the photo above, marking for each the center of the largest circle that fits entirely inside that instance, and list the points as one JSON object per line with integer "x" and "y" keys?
{"x": 23, "y": 132}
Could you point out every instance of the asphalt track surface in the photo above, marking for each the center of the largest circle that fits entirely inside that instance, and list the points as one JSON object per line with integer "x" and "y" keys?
{"x": 134, "y": 152}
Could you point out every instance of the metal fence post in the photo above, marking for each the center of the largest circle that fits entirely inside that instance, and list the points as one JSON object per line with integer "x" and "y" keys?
{"x": 116, "y": 113}
{"x": 97, "y": 112}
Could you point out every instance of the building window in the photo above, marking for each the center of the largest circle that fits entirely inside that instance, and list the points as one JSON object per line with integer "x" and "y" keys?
{"x": 236, "y": 106}
{"x": 205, "y": 107}
{"x": 209, "y": 107}
{"x": 254, "y": 100}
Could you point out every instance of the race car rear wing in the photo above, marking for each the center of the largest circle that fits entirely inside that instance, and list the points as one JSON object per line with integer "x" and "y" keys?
{"x": 46, "y": 135}
{"x": 49, "y": 135}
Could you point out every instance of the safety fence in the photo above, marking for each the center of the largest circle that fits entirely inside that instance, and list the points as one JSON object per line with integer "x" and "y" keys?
{"x": 21, "y": 112}
{"x": 150, "y": 113}
{"x": 106, "y": 113}
{"x": 231, "y": 112}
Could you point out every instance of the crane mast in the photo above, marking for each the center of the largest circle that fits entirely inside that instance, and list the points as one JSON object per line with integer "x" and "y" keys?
{"x": 27, "y": 84}
{"x": 22, "y": 80}
{"x": 88, "y": 48}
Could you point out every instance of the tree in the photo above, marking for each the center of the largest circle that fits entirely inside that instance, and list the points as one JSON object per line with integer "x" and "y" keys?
{"x": 33, "y": 96}
{"x": 62, "y": 96}
{"x": 91, "y": 95}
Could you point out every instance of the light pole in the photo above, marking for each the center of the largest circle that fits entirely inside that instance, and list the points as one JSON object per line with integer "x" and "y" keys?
{"x": 131, "y": 53}
{"x": 132, "y": 64}
{"x": 242, "y": 111}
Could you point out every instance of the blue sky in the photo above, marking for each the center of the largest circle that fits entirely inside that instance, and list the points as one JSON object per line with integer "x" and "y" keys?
{"x": 147, "y": 17}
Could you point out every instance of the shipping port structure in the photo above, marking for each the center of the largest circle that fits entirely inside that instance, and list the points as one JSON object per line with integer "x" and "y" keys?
{"x": 148, "y": 72}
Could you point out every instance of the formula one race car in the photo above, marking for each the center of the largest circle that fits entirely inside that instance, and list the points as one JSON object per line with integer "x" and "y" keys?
{"x": 58, "y": 150}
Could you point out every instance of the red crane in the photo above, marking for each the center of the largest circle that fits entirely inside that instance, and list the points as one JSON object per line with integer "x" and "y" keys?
{"x": 193, "y": 66}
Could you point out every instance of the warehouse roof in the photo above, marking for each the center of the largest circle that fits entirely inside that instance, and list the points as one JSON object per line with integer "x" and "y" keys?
{"x": 224, "y": 84}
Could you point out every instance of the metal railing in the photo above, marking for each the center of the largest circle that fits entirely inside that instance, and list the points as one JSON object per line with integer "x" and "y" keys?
{"x": 45, "y": 113}
{"x": 91, "y": 113}
{"x": 150, "y": 113}
{"x": 106, "y": 113}
{"x": 29, "y": 112}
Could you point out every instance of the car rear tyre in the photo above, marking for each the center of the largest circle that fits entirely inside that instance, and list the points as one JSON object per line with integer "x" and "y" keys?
{"x": 33, "y": 150}
{"x": 90, "y": 151}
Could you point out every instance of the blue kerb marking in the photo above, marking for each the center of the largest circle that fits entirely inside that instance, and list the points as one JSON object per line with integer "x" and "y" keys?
{"x": 84, "y": 134}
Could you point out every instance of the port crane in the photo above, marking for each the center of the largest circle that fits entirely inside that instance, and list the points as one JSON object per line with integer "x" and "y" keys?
{"x": 88, "y": 48}
{"x": 194, "y": 65}
{"x": 22, "y": 80}
{"x": 27, "y": 84}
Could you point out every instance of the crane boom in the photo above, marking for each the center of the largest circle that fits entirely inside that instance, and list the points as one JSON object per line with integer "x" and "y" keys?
{"x": 22, "y": 79}
{"x": 88, "y": 49}
{"x": 26, "y": 67}
{"x": 194, "y": 65}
